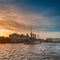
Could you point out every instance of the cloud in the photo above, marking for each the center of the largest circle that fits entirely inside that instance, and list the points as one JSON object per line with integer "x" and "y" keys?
{"x": 16, "y": 19}
{"x": 23, "y": 20}
{"x": 20, "y": 19}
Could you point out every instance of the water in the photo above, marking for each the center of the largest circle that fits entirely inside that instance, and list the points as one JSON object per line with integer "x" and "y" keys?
{"x": 43, "y": 51}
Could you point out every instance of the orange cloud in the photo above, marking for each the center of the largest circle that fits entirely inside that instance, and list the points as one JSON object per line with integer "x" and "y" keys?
{"x": 16, "y": 20}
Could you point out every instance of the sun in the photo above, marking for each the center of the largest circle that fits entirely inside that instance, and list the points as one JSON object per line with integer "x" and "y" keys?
{"x": 5, "y": 32}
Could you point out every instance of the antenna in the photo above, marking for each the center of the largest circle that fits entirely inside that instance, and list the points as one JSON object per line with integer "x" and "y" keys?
{"x": 31, "y": 31}
{"x": 38, "y": 35}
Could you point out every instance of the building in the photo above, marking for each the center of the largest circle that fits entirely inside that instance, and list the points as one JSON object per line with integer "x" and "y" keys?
{"x": 15, "y": 38}
{"x": 53, "y": 39}
{"x": 19, "y": 38}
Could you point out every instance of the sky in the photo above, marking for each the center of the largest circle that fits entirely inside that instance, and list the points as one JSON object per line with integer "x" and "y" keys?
{"x": 19, "y": 15}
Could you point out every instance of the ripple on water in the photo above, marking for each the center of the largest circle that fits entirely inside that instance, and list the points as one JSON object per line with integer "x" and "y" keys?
{"x": 44, "y": 51}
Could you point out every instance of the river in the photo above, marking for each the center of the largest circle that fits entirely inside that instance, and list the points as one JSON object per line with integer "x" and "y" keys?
{"x": 43, "y": 51}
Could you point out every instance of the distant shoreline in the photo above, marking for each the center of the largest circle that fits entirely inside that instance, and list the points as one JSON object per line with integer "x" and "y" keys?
{"x": 27, "y": 43}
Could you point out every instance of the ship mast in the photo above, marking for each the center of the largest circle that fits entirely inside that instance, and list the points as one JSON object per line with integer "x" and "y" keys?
{"x": 31, "y": 31}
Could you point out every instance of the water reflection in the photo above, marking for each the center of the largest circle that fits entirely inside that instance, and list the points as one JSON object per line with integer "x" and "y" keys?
{"x": 44, "y": 51}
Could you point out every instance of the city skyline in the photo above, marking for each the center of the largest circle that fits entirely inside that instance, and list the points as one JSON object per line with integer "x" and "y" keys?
{"x": 19, "y": 15}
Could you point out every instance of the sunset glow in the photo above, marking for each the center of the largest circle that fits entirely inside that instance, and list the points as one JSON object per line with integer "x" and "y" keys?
{"x": 5, "y": 33}
{"x": 18, "y": 16}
